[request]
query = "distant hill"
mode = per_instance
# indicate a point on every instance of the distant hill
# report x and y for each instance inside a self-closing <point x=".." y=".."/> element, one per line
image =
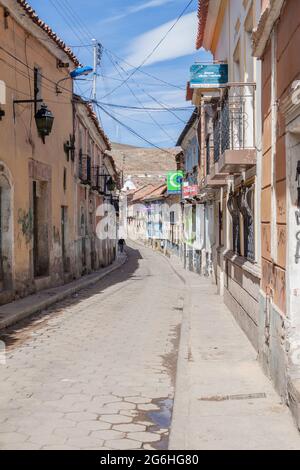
<point x="144" y="165"/>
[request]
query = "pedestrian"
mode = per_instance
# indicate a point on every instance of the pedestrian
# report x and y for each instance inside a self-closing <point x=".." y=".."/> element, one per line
<point x="121" y="244"/>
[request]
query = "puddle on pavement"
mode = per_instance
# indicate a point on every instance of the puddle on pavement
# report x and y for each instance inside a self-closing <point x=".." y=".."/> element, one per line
<point x="162" y="417"/>
<point x="160" y="420"/>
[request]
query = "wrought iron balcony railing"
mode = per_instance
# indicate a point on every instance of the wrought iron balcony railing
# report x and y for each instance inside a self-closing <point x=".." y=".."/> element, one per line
<point x="84" y="168"/>
<point x="234" y="122"/>
<point x="96" y="185"/>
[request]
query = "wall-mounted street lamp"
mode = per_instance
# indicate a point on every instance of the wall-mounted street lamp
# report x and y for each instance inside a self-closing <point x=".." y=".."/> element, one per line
<point x="43" y="117"/>
<point x="109" y="184"/>
<point x="44" y="121"/>
<point x="78" y="72"/>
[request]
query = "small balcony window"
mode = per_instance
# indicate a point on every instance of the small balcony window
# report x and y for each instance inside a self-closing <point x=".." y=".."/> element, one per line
<point x="234" y="129"/>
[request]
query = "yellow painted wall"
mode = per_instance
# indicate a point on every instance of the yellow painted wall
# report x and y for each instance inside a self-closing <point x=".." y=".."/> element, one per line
<point x="20" y="52"/>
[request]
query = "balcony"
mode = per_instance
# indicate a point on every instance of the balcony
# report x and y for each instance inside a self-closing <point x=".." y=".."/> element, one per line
<point x="213" y="179"/>
<point x="84" y="168"/>
<point x="234" y="131"/>
<point x="96" y="179"/>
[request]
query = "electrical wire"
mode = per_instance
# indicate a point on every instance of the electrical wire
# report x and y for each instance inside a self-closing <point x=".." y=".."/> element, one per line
<point x="148" y="112"/>
<point x="71" y="12"/>
<point x="84" y="97"/>
<point x="152" y="52"/>
<point x="98" y="104"/>
<point x="164" y="82"/>
<point x="148" y="94"/>
<point x="136" y="108"/>
<point x="99" y="107"/>
<point x="66" y="19"/>
<point x="134" y="132"/>
<point x="144" y="122"/>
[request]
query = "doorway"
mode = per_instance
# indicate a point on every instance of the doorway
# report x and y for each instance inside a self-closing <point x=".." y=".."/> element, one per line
<point x="64" y="238"/>
<point x="6" y="234"/>
<point x="40" y="229"/>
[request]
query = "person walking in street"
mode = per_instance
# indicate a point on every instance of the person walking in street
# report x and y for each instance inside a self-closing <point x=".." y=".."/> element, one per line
<point x="121" y="244"/>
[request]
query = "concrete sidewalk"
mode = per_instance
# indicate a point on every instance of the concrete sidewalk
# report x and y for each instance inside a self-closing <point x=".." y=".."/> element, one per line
<point x="223" y="400"/>
<point x="18" y="310"/>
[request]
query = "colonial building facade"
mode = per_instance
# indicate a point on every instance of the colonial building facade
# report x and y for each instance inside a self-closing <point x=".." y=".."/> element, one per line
<point x="276" y="43"/>
<point x="41" y="194"/>
<point x="229" y="176"/>
<point x="94" y="188"/>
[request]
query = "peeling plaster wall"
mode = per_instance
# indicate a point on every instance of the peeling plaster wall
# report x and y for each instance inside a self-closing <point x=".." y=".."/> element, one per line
<point x="279" y="315"/>
<point x="26" y="157"/>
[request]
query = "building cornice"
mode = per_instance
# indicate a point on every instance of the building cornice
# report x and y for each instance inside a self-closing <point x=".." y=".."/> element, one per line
<point x="290" y="107"/>
<point x="208" y="12"/>
<point x="77" y="100"/>
<point x="265" y="26"/>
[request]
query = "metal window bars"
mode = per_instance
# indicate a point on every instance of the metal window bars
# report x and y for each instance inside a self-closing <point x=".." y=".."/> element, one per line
<point x="234" y="212"/>
<point x="234" y="121"/>
<point x="84" y="168"/>
<point x="245" y="200"/>
<point x="242" y="203"/>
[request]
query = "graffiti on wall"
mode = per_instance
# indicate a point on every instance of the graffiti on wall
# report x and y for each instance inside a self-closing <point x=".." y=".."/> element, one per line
<point x="25" y="221"/>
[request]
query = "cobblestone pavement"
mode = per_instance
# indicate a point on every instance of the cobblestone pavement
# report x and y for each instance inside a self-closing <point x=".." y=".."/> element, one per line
<point x="96" y="371"/>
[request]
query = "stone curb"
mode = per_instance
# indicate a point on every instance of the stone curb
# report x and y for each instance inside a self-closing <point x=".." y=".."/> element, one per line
<point x="18" y="310"/>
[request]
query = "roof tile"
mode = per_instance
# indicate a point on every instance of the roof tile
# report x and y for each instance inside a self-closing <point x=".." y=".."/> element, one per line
<point x="202" y="16"/>
<point x="31" y="13"/>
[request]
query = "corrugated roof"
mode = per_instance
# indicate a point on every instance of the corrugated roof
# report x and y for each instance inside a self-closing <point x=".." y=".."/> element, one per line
<point x="31" y="13"/>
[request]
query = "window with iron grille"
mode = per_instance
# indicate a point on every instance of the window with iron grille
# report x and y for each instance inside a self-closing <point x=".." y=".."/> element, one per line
<point x="246" y="206"/>
<point x="233" y="208"/>
<point x="208" y="154"/>
<point x="217" y="131"/>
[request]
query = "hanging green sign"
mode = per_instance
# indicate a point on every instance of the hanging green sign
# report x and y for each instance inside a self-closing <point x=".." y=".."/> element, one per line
<point x="208" y="75"/>
<point x="174" y="182"/>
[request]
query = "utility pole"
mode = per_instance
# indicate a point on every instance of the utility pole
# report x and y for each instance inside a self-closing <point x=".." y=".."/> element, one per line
<point x="95" y="50"/>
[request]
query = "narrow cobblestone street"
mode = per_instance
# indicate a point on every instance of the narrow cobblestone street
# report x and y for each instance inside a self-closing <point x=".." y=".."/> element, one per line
<point x="135" y="362"/>
<point x="97" y="371"/>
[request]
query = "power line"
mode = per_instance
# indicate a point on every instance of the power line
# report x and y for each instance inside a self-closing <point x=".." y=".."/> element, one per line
<point x="77" y="18"/>
<point x="89" y="34"/>
<point x="144" y="72"/>
<point x="148" y="94"/>
<point x="102" y="103"/>
<point x="66" y="19"/>
<point x="133" y="131"/>
<point x="153" y="50"/>
<point x="141" y="103"/>
<point x="32" y="69"/>
<point x="169" y="124"/>
<point x="98" y="105"/>
<point x="136" y="108"/>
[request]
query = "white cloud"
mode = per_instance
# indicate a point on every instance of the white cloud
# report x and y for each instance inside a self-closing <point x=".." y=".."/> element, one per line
<point x="179" y="42"/>
<point x="149" y="4"/>
<point x="136" y="9"/>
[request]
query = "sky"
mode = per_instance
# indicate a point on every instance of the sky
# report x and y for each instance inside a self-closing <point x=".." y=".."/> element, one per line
<point x="128" y="31"/>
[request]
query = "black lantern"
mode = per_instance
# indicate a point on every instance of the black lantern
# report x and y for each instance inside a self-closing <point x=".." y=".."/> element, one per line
<point x="44" y="121"/>
<point x="111" y="184"/>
